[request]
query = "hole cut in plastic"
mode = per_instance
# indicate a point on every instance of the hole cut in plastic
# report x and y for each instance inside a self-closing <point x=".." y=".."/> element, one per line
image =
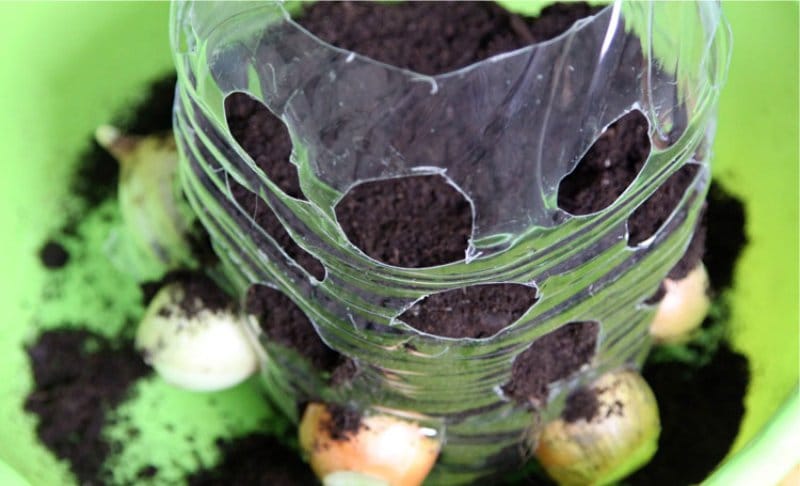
<point x="411" y="222"/>
<point x="266" y="140"/>
<point x="608" y="167"/>
<point x="285" y="323"/>
<point x="476" y="312"/>
<point x="651" y="215"/>
<point x="550" y="358"/>
<point x="266" y="219"/>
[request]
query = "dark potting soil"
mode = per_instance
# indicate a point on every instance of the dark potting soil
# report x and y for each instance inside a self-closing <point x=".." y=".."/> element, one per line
<point x="473" y="312"/>
<point x="258" y="460"/>
<point x="200" y="293"/>
<point x="725" y="221"/>
<point x="582" y="404"/>
<point x="251" y="125"/>
<point x="285" y="323"/>
<point x="344" y="421"/>
<point x="382" y="219"/>
<point x="701" y="408"/>
<point x="53" y="255"/>
<point x="95" y="179"/>
<point x="608" y="167"/>
<point x="78" y="377"/>
<point x="435" y="37"/>
<point x="554" y="356"/>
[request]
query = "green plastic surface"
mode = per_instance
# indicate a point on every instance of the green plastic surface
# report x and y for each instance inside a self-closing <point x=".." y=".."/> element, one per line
<point x="68" y="67"/>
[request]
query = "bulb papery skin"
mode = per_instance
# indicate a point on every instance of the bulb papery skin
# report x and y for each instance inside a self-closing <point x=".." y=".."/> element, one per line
<point x="157" y="221"/>
<point x="621" y="436"/>
<point x="683" y="307"/>
<point x="384" y="449"/>
<point x="202" y="351"/>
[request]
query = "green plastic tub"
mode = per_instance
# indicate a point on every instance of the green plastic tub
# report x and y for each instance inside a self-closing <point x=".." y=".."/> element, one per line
<point x="68" y="67"/>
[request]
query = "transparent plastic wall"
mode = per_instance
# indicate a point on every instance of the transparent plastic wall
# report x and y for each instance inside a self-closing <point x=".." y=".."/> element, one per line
<point x="342" y="110"/>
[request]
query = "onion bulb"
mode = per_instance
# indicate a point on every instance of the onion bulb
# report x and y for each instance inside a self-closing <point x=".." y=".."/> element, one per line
<point x="683" y="307"/>
<point x="157" y="221"/>
<point x="383" y="449"/>
<point x="202" y="350"/>
<point x="619" y="437"/>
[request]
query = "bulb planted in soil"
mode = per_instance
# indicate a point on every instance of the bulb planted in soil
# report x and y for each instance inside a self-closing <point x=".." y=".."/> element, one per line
<point x="193" y="346"/>
<point x="605" y="433"/>
<point x="157" y="220"/>
<point x="683" y="307"/>
<point x="378" y="449"/>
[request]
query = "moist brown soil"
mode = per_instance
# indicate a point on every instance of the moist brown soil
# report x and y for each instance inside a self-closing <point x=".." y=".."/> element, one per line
<point x="479" y="311"/>
<point x="251" y="125"/>
<point x="725" y="222"/>
<point x="256" y="459"/>
<point x="390" y="227"/>
<point x="582" y="404"/>
<point x="285" y="323"/>
<point x="435" y="37"/>
<point x="553" y="356"/>
<point x="344" y="421"/>
<point x="199" y="293"/>
<point x="78" y="377"/>
<point x="608" y="167"/>
<point x="701" y="408"/>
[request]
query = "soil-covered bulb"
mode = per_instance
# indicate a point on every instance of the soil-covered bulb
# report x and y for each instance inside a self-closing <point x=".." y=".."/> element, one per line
<point x="197" y="348"/>
<point x="613" y="432"/>
<point x="377" y="450"/>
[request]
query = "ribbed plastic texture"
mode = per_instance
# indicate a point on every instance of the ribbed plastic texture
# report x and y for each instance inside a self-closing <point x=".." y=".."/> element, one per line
<point x="667" y="59"/>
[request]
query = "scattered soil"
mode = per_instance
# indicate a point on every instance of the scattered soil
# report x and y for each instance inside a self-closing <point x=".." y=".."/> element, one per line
<point x="552" y="357"/>
<point x="53" y="255"/>
<point x="725" y="218"/>
<point x="256" y="459"/>
<point x="200" y="293"/>
<point x="95" y="179"/>
<point x="479" y="311"/>
<point x="147" y="472"/>
<point x="701" y="408"/>
<point x="78" y="377"/>
<point x="582" y="404"/>
<point x="344" y="421"/>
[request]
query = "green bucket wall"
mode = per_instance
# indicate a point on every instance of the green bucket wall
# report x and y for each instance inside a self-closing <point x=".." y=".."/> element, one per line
<point x="68" y="67"/>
